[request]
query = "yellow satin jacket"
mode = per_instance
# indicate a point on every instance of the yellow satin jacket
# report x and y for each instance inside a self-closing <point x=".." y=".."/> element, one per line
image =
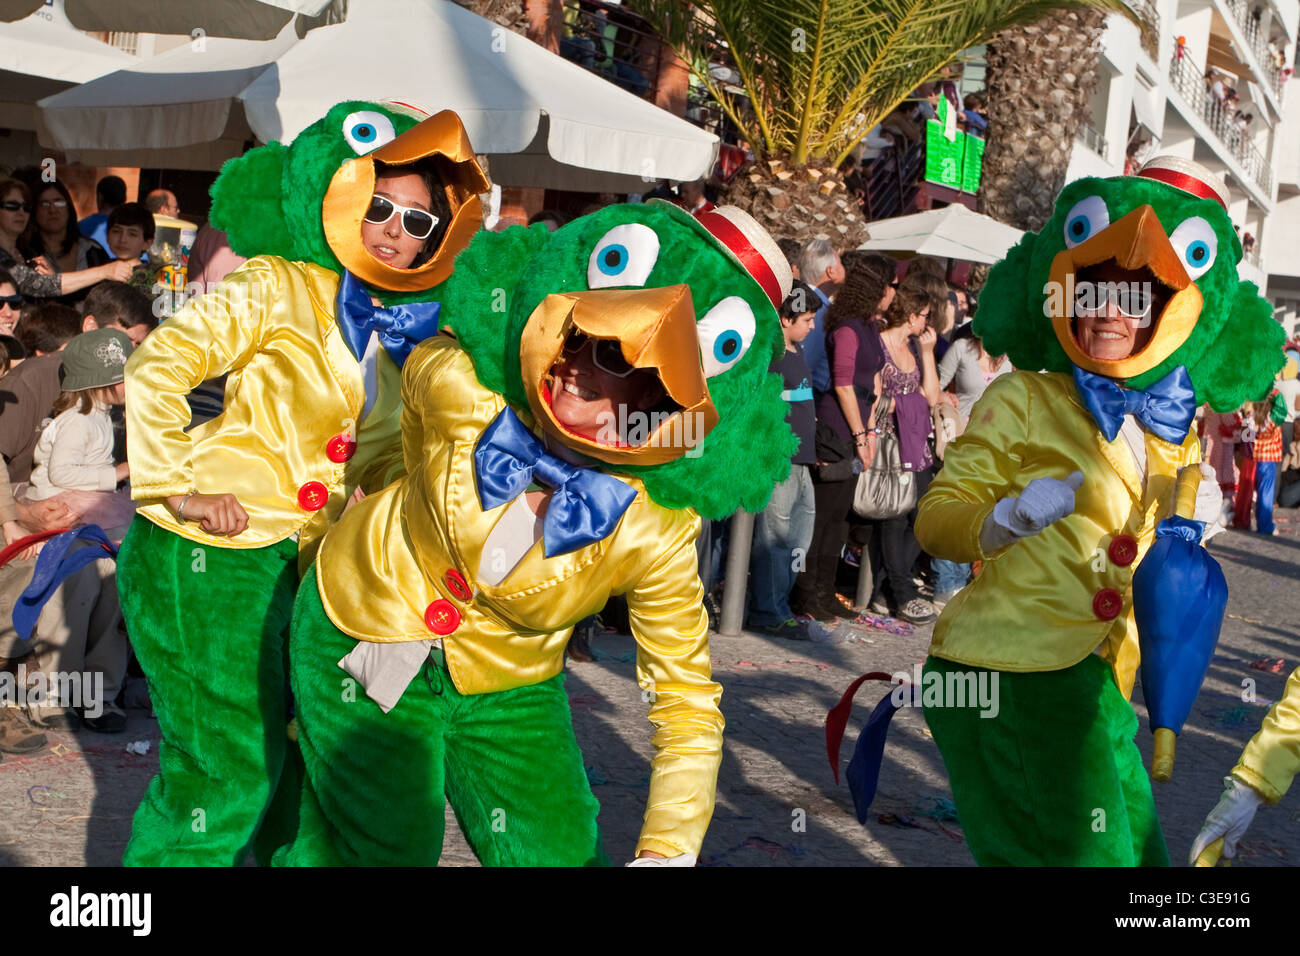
<point x="289" y="444"/>
<point x="1047" y="601"/>
<point x="1272" y="758"/>
<point x="403" y="566"/>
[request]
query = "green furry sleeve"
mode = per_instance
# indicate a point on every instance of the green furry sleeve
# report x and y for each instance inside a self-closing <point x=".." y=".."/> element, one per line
<point x="1006" y="301"/>
<point x="1243" y="362"/>
<point x="478" y="309"/>
<point x="247" y="203"/>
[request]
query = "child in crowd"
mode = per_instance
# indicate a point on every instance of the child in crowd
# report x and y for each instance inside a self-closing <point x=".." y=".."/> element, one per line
<point x="130" y="231"/>
<point x="783" y="530"/>
<point x="74" y="455"/>
<point x="1267" y="452"/>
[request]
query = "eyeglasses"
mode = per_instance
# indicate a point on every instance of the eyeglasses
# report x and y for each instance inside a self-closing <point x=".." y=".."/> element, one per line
<point x="53" y="204"/>
<point x="11" y="301"/>
<point x="416" y="223"/>
<point x="607" y="354"/>
<point x="13" y="205"/>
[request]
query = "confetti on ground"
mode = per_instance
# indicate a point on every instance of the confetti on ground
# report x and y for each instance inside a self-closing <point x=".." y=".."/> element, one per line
<point x="140" y="747"/>
<point x="1271" y="665"/>
<point x="888" y="625"/>
<point x="39" y="786"/>
<point x="1248" y="620"/>
<point x="1233" y="717"/>
<point x="938" y="808"/>
<point x="899" y="820"/>
<point x="595" y="777"/>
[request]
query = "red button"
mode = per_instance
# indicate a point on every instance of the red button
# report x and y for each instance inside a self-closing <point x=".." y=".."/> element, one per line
<point x="1107" y="603"/>
<point x="1123" y="549"/>
<point x="312" y="496"/>
<point x="340" y="448"/>
<point x="457" y="585"/>
<point x="442" y="617"/>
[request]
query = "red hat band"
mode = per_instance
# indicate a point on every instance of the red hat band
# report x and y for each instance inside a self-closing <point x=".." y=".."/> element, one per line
<point x="727" y="233"/>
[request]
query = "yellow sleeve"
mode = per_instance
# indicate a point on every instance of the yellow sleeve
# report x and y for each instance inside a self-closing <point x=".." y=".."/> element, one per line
<point x="979" y="469"/>
<point x="666" y="609"/>
<point x="210" y="336"/>
<point x="1272" y="758"/>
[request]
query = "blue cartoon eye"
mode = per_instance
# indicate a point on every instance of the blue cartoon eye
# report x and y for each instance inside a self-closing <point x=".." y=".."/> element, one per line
<point x="1196" y="244"/>
<point x="367" y="130"/>
<point x="624" y="256"/>
<point x="1085" y="219"/>
<point x="725" y="333"/>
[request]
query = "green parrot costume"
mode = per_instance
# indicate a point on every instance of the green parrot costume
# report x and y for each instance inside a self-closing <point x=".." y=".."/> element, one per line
<point x="1053" y="775"/>
<point x="428" y="641"/>
<point x="312" y="412"/>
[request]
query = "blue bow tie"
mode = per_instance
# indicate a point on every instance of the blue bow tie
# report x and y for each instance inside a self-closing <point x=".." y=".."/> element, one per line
<point x="400" y="327"/>
<point x="1165" y="409"/>
<point x="586" y="506"/>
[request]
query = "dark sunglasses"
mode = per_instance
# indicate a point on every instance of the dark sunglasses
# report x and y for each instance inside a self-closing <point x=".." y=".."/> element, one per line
<point x="607" y="354"/>
<point x="416" y="223"/>
<point x="12" y="301"/>
<point x="13" y="205"/>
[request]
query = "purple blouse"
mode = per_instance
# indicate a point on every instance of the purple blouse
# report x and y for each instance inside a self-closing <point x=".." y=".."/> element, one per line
<point x="856" y="355"/>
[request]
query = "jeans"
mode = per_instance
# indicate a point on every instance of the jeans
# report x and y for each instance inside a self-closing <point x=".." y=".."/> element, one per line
<point x="782" y="533"/>
<point x="1265" y="489"/>
<point x="949" y="576"/>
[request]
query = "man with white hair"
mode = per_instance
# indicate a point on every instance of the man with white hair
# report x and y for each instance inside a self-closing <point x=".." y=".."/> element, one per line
<point x="820" y="267"/>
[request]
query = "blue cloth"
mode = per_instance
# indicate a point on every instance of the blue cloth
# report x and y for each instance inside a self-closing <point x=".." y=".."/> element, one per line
<point x="53" y="567"/>
<point x="96" y="227"/>
<point x="587" y="504"/>
<point x="400" y="327"/>
<point x="814" y="347"/>
<point x="869" y="753"/>
<point x="1165" y="409"/>
<point x="1265" y="491"/>
<point x="949" y="576"/>
<point x="782" y="533"/>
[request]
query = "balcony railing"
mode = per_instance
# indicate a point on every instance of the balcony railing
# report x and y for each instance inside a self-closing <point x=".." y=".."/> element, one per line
<point x="1089" y="136"/>
<point x="1267" y="62"/>
<point x="612" y="41"/>
<point x="1189" y="80"/>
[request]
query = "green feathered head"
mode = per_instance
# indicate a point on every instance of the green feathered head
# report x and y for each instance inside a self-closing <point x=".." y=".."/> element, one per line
<point x="657" y="300"/>
<point x="1160" y="245"/>
<point x="306" y="201"/>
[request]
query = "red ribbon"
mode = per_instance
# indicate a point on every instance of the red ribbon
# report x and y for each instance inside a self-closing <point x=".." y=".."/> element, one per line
<point x="1188" y="184"/>
<point x="726" y="232"/>
<point x="837" y="718"/>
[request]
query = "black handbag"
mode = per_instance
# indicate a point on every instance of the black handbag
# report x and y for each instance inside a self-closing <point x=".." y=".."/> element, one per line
<point x="835" y="452"/>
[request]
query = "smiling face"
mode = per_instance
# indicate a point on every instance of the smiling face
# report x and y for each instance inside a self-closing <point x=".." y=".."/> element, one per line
<point x="587" y="398"/>
<point x="9" y="308"/>
<point x="389" y="241"/>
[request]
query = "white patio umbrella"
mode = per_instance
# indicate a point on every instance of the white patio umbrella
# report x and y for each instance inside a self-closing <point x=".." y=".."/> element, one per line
<point x="541" y="120"/>
<point x="243" y="19"/>
<point x="44" y="54"/>
<point x="953" y="232"/>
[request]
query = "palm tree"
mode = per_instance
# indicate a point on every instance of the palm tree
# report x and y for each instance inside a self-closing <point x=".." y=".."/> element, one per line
<point x="816" y="76"/>
<point x="1041" y="78"/>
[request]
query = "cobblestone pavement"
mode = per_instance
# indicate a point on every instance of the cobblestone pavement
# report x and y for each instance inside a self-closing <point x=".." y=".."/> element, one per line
<point x="777" y="803"/>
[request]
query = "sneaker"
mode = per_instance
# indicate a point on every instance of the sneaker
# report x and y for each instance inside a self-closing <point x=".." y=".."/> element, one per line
<point x="940" y="601"/>
<point x="821" y="634"/>
<point x="53" y="717"/>
<point x="109" y="722"/>
<point x="17" y="735"/>
<point x="791" y="630"/>
<point x="879" y="606"/>
<point x="917" y="611"/>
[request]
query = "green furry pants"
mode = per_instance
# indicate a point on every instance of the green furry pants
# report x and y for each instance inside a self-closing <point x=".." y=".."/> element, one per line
<point x="210" y="628"/>
<point x="1055" y="779"/>
<point x="377" y="783"/>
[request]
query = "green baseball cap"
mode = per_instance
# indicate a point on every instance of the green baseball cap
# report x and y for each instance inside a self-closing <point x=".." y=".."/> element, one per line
<point x="94" y="359"/>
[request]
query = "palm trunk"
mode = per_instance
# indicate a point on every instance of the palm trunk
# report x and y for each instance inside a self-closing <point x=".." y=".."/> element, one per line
<point x="799" y="202"/>
<point x="1041" y="80"/>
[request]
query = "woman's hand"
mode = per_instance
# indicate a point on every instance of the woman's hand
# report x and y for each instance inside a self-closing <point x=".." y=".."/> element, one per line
<point x="42" y="266"/>
<point x="927" y="339"/>
<point x="216" y="514"/>
<point x="867" y="451"/>
<point x="120" y="269"/>
<point x="122" y="472"/>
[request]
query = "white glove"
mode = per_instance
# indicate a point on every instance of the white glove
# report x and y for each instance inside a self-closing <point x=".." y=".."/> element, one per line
<point x="686" y="859"/>
<point x="1043" y="501"/>
<point x="1209" y="502"/>
<point x="1229" y="819"/>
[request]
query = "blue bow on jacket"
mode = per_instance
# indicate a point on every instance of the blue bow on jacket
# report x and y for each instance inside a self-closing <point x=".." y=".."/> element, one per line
<point x="1166" y="409"/>
<point x="586" y="506"/>
<point x="400" y="327"/>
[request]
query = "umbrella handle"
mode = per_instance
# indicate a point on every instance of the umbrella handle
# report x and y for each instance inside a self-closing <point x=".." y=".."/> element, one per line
<point x="1211" y="854"/>
<point x="1189" y="479"/>
<point x="1162" y="758"/>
